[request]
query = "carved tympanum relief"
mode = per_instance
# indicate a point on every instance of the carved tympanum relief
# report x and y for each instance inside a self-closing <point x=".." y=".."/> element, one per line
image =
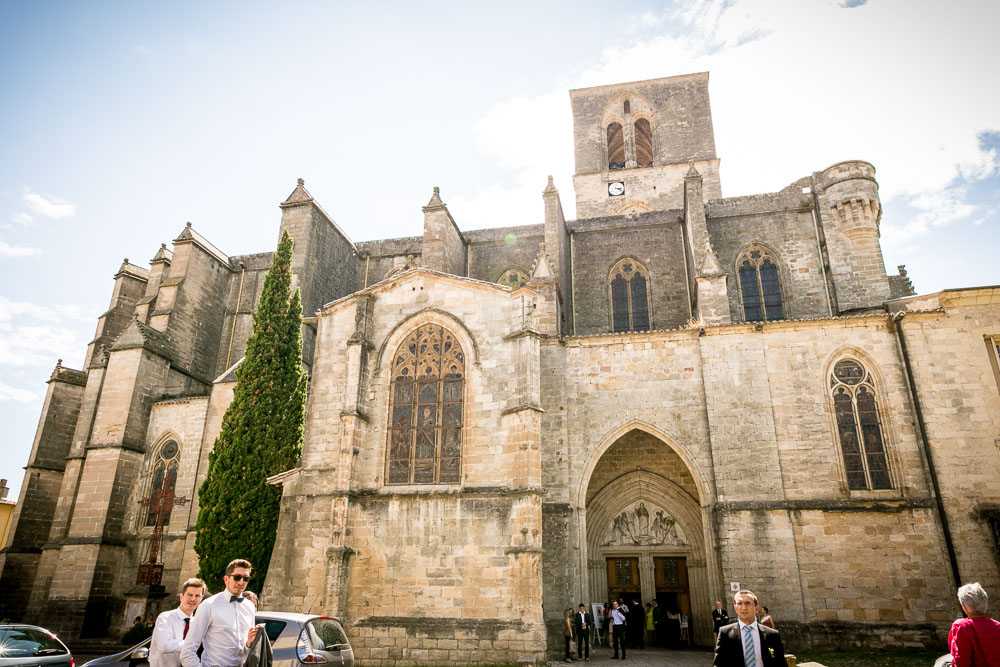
<point x="635" y="526"/>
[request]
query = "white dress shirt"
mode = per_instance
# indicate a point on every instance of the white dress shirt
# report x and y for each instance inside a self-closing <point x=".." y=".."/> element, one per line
<point x="220" y="626"/>
<point x="168" y="637"/>
<point x="754" y="634"/>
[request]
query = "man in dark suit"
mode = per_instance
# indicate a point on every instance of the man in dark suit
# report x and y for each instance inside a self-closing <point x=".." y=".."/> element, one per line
<point x="745" y="643"/>
<point x="582" y="621"/>
<point x="720" y="616"/>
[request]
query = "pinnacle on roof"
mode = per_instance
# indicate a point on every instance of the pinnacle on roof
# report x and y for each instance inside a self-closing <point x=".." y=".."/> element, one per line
<point x="551" y="187"/>
<point x="435" y="199"/>
<point x="299" y="195"/>
<point x="692" y="172"/>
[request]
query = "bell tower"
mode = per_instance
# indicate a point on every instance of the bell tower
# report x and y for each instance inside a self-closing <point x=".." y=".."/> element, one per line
<point x="634" y="142"/>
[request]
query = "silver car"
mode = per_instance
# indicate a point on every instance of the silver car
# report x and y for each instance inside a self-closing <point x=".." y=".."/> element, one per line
<point x="32" y="646"/>
<point x="296" y="639"/>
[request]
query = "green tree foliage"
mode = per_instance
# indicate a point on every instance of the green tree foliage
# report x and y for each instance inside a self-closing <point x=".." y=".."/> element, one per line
<point x="261" y="435"/>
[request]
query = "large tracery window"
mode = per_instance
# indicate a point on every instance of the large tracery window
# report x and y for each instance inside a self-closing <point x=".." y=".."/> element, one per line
<point x="616" y="146"/>
<point x="858" y="427"/>
<point x="629" y="296"/>
<point x="643" y="143"/>
<point x="760" y="288"/>
<point x="425" y="412"/>
<point x="163" y="479"/>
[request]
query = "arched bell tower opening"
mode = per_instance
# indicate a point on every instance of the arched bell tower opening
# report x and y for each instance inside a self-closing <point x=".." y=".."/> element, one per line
<point x="644" y="530"/>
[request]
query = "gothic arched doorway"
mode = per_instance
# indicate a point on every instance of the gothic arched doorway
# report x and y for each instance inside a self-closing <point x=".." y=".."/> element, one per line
<point x="644" y="527"/>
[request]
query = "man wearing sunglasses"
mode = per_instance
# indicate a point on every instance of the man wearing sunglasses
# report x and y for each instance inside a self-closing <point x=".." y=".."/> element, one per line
<point x="224" y="625"/>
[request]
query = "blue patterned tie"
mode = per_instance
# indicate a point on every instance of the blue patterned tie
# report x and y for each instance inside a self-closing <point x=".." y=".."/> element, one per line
<point x="749" y="659"/>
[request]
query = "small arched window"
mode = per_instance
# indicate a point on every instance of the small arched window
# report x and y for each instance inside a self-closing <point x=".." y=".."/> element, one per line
<point x="629" y="283"/>
<point x="513" y="278"/>
<point x="760" y="289"/>
<point x="626" y="107"/>
<point x="643" y="143"/>
<point x="859" y="427"/>
<point x="163" y="481"/>
<point x="425" y="411"/>
<point x="616" y="146"/>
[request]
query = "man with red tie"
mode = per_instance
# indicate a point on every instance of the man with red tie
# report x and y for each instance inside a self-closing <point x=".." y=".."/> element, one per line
<point x="172" y="626"/>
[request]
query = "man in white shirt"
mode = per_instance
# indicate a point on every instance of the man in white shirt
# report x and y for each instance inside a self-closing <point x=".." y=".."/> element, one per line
<point x="746" y="643"/>
<point x="618" y="628"/>
<point x="224" y="625"/>
<point x="172" y="626"/>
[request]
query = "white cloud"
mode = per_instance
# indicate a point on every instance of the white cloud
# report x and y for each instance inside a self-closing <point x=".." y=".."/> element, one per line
<point x="53" y="207"/>
<point x="23" y="219"/>
<point x="32" y="335"/>
<point x="9" y="393"/>
<point x="797" y="86"/>
<point x="7" y="250"/>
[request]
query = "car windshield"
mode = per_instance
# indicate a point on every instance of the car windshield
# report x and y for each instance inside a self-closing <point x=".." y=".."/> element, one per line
<point x="29" y="643"/>
<point x="325" y="634"/>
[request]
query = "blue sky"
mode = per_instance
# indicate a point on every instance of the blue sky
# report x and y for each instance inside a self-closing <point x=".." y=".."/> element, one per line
<point x="121" y="121"/>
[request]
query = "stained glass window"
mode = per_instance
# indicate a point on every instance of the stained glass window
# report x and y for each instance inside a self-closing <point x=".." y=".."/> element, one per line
<point x="629" y="283"/>
<point x="425" y="411"/>
<point x="859" y="427"/>
<point x="616" y="146"/>
<point x="760" y="289"/>
<point x="164" y="478"/>
<point x="513" y="278"/>
<point x="643" y="143"/>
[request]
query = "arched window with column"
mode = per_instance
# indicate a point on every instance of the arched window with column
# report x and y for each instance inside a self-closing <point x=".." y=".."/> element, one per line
<point x="616" y="146"/>
<point x="162" y="478"/>
<point x="629" y="288"/>
<point x="643" y="135"/>
<point x="425" y="410"/>
<point x="759" y="284"/>
<point x="859" y="426"/>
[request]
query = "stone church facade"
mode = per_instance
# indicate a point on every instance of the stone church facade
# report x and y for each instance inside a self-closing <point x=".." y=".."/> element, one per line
<point x="674" y="392"/>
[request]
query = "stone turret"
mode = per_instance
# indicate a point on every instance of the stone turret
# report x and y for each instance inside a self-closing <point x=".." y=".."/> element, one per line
<point x="849" y="211"/>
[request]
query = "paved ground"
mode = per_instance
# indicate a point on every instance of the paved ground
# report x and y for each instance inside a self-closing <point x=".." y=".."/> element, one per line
<point x="601" y="657"/>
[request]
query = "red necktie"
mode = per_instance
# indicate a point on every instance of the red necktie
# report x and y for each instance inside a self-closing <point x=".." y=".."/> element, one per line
<point x="187" y="624"/>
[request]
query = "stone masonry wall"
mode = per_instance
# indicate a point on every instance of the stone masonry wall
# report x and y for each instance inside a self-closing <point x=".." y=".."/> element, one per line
<point x="657" y="246"/>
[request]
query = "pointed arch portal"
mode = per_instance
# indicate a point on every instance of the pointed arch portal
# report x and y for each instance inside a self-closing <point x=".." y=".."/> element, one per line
<point x="643" y="529"/>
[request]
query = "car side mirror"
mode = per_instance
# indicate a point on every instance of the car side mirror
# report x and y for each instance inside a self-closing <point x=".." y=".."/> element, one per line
<point x="141" y="653"/>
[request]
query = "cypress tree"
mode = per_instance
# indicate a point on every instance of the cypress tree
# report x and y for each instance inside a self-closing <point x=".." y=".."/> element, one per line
<point x="261" y="435"/>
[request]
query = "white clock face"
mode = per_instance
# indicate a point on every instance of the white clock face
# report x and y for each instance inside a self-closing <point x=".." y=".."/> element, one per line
<point x="616" y="189"/>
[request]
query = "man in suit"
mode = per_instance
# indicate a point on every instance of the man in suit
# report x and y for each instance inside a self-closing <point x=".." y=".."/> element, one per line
<point x="582" y="621"/>
<point x="719" y="616"/>
<point x="746" y="643"/>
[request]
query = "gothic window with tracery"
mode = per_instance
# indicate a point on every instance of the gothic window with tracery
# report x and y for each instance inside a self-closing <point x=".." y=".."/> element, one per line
<point x="629" y="296"/>
<point x="616" y="146"/>
<point x="760" y="288"/>
<point x="425" y="411"/>
<point x="513" y="278"/>
<point x="163" y="478"/>
<point x="859" y="427"/>
<point x="643" y="143"/>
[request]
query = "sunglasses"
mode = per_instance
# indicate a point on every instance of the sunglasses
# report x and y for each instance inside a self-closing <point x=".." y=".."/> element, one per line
<point x="239" y="577"/>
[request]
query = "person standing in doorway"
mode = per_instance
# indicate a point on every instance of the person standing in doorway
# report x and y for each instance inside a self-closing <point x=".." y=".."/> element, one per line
<point x="720" y="616"/>
<point x="172" y="626"/>
<point x="618" y="629"/>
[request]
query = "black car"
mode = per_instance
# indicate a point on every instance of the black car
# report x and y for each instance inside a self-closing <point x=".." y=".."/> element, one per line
<point x="32" y="646"/>
<point x="296" y="639"/>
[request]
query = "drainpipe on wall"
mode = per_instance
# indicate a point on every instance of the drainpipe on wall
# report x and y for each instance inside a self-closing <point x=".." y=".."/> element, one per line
<point x="897" y="321"/>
